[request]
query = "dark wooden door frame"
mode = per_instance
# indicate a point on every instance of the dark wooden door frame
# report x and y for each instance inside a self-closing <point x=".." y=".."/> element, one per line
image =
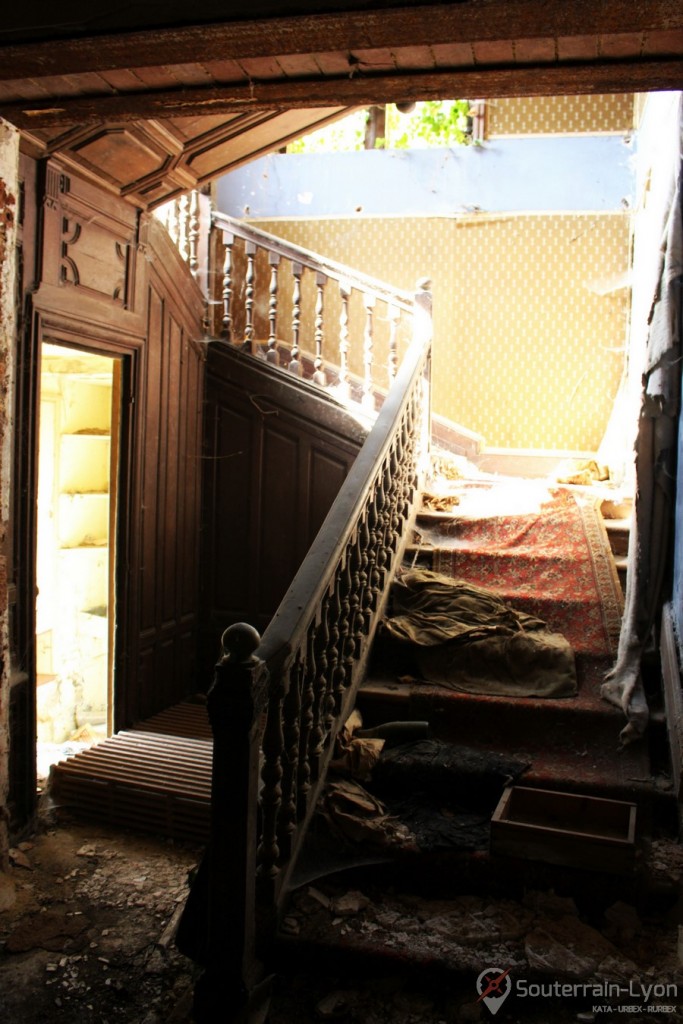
<point x="84" y="337"/>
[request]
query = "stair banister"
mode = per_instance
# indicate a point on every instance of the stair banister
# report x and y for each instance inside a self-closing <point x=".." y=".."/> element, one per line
<point x="254" y="298"/>
<point x="317" y="644"/>
<point x="313" y="261"/>
<point x="313" y="656"/>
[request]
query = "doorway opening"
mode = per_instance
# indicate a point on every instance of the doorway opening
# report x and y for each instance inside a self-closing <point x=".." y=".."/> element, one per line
<point x="78" y="460"/>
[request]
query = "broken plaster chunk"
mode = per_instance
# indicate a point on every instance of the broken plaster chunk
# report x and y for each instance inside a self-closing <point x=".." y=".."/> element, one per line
<point x="334" y="1005"/>
<point x="87" y="850"/>
<point x="566" y="947"/>
<point x="19" y="859"/>
<point x="290" y="926"/>
<point x="319" y="896"/>
<point x="349" y="904"/>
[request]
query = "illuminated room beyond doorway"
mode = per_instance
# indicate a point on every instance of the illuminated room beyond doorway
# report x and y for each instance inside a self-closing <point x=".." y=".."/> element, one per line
<point x="77" y="475"/>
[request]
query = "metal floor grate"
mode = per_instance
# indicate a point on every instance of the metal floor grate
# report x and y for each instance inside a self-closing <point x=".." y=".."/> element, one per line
<point x="155" y="777"/>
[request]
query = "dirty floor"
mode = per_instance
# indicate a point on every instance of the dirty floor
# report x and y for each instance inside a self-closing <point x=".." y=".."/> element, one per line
<point x="87" y="918"/>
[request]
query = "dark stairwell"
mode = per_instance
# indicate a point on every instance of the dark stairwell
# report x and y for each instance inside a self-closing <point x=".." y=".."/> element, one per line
<point x="324" y="654"/>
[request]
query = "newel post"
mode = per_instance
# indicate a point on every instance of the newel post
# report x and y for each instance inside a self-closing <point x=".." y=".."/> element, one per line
<point x="232" y="983"/>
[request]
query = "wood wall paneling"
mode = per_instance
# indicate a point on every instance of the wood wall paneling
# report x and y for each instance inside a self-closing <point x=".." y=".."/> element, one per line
<point x="126" y="291"/>
<point x="276" y="452"/>
<point x="280" y="526"/>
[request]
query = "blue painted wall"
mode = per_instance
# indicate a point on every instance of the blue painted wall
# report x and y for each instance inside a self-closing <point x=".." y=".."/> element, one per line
<point x="530" y="174"/>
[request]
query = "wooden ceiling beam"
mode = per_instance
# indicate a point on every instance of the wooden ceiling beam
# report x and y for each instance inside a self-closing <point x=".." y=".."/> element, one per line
<point x="404" y="27"/>
<point x="357" y="90"/>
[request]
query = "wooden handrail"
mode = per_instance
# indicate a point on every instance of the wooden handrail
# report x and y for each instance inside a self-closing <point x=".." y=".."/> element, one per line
<point x="313" y="316"/>
<point x="313" y="261"/>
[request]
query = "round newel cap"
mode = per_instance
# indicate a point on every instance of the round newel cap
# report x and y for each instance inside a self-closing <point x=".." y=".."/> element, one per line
<point x="240" y="641"/>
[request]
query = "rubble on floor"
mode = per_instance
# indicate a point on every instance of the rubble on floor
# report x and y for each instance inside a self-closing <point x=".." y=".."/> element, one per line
<point x="565" y="962"/>
<point x="87" y="922"/>
<point x="88" y="915"/>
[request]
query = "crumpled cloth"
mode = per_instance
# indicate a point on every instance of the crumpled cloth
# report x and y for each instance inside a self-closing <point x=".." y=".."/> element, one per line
<point x="467" y="638"/>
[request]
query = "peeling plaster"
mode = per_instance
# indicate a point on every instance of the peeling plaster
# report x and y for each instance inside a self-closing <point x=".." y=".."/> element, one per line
<point x="9" y="181"/>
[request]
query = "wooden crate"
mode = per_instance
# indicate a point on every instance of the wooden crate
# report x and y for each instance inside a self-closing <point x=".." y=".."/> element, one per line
<point x="568" y="829"/>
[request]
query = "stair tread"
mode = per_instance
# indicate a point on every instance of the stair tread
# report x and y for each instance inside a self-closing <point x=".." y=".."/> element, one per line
<point x="586" y="701"/>
<point x="617" y="525"/>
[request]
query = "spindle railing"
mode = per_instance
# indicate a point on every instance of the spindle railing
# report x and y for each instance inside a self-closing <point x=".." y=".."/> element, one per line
<point x="341" y="329"/>
<point x="187" y="219"/>
<point x="280" y="700"/>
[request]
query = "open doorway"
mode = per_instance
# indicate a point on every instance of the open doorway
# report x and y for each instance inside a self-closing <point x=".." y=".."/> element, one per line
<point x="78" y="460"/>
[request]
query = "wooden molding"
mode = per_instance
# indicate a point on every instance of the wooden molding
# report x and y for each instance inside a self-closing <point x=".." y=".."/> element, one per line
<point x="344" y="32"/>
<point x="361" y="90"/>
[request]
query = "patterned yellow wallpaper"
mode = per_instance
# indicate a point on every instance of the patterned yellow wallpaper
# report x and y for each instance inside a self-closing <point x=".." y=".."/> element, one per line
<point x="530" y="313"/>
<point x="560" y="115"/>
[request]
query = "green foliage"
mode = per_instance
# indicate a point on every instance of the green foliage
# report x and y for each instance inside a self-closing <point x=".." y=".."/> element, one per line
<point x="344" y="136"/>
<point x="431" y="123"/>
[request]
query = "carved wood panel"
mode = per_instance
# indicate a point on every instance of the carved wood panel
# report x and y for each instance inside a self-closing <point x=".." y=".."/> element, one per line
<point x="90" y="239"/>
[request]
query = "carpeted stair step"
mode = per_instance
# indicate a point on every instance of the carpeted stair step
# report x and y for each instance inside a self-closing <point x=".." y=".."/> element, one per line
<point x="567" y="748"/>
<point x="456" y="715"/>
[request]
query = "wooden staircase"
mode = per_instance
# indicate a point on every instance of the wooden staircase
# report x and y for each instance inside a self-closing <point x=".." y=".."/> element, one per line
<point x="568" y="743"/>
<point x="156" y="776"/>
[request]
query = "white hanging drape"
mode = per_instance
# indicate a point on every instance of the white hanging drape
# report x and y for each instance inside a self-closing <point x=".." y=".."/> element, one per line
<point x="651" y="546"/>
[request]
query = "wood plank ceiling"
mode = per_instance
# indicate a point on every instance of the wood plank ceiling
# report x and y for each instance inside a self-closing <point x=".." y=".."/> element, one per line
<point x="153" y="109"/>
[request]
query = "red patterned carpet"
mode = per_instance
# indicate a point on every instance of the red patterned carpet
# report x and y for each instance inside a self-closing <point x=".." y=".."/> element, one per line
<point x="553" y="561"/>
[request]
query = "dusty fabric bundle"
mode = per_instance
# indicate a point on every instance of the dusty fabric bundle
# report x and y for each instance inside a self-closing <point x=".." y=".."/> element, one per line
<point x="465" y="637"/>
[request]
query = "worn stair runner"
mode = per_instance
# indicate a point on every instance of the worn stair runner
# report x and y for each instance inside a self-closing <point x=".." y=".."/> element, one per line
<point x="155" y="777"/>
<point x="545" y="551"/>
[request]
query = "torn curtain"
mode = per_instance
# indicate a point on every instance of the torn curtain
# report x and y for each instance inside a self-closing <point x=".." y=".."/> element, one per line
<point x="651" y="546"/>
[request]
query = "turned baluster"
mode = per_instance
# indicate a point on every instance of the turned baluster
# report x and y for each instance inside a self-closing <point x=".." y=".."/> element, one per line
<point x="291" y="711"/>
<point x="172" y="221"/>
<point x="236" y="704"/>
<point x="306" y="716"/>
<point x="374" y="527"/>
<point x="321" y="698"/>
<point x="268" y="853"/>
<point x="383" y="530"/>
<point x="344" y="384"/>
<point x="271" y="355"/>
<point x="364" y="594"/>
<point x="394" y="315"/>
<point x="250" y="253"/>
<point x="295" y="366"/>
<point x="397" y="476"/>
<point x="334" y="679"/>
<point x="368" y="398"/>
<point x="228" y="242"/>
<point x="183" y="249"/>
<point x="349" y="611"/>
<point x="193" y="233"/>
<point x="319" y="377"/>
